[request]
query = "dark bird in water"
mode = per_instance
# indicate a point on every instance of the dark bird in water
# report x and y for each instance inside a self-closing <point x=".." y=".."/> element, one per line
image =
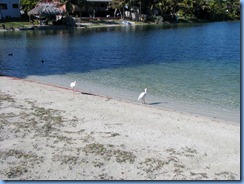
<point x="11" y="54"/>
<point x="42" y="61"/>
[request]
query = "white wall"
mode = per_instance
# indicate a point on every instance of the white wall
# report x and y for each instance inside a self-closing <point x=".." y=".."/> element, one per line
<point x="10" y="11"/>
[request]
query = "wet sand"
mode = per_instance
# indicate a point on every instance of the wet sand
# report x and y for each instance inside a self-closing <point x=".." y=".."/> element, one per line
<point x="53" y="133"/>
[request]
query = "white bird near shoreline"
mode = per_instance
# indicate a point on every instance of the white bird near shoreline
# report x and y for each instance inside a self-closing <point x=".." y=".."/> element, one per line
<point x="143" y="95"/>
<point x="72" y="85"/>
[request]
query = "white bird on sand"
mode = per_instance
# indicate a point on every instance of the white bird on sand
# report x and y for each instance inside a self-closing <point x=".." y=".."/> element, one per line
<point x="72" y="84"/>
<point x="143" y="95"/>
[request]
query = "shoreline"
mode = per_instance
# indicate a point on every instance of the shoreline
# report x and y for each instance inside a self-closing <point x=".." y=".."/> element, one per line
<point x="232" y="117"/>
<point x="119" y="23"/>
<point x="48" y="132"/>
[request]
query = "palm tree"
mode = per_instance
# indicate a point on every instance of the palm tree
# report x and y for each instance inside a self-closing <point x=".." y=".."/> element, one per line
<point x="119" y="5"/>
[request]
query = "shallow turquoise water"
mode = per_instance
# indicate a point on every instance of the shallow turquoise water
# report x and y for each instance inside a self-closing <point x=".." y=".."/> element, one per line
<point x="196" y="64"/>
<point x="185" y="85"/>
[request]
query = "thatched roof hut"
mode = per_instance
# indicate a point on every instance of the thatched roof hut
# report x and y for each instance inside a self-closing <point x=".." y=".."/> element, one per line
<point x="46" y="9"/>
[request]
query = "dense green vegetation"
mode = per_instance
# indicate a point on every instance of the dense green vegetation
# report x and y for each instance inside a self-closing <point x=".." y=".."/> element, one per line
<point x="169" y="10"/>
<point x="213" y="10"/>
<point x="27" y="5"/>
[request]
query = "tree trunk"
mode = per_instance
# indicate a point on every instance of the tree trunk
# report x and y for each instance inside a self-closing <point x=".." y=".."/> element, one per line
<point x="115" y="11"/>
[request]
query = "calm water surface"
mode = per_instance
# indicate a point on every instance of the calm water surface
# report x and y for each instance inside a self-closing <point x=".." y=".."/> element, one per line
<point x="192" y="67"/>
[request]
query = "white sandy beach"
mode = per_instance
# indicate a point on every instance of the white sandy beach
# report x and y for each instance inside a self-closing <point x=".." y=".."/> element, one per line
<point x="53" y="133"/>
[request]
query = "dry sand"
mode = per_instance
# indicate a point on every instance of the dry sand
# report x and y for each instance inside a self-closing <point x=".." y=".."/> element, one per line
<point x="52" y="133"/>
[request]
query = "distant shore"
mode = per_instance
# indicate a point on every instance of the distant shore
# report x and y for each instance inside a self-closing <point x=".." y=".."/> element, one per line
<point x="88" y="24"/>
<point x="18" y="25"/>
<point x="54" y="133"/>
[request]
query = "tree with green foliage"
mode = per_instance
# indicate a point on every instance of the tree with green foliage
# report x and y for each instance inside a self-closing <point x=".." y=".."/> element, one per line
<point x="199" y="9"/>
<point x="73" y="5"/>
<point x="27" y="5"/>
<point x="119" y="5"/>
<point x="213" y="10"/>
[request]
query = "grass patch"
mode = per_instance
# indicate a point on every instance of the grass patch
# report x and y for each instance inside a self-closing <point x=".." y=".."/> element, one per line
<point x="6" y="97"/>
<point x="47" y="115"/>
<point x="16" y="171"/>
<point x="16" y="24"/>
<point x="120" y="155"/>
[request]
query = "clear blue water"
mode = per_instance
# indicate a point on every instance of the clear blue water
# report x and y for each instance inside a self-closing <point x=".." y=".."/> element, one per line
<point x="196" y="66"/>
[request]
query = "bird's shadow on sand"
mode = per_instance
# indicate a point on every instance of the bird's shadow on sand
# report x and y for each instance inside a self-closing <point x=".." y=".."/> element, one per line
<point x="156" y="103"/>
